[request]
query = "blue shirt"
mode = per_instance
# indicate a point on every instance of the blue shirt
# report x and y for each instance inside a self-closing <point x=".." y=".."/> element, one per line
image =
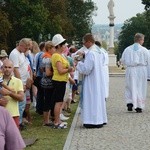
<point x="39" y="64"/>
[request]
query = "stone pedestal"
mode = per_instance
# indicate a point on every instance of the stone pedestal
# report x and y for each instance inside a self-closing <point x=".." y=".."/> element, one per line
<point x="111" y="50"/>
<point x="112" y="59"/>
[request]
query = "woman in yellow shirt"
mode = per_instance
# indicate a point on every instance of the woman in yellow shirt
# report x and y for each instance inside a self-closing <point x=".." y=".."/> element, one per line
<point x="60" y="77"/>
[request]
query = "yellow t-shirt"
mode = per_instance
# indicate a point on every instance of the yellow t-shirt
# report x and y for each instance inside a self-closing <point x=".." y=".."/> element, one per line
<point x="12" y="106"/>
<point x="59" y="58"/>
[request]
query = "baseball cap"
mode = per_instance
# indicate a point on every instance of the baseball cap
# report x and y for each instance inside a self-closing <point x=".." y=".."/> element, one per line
<point x="57" y="39"/>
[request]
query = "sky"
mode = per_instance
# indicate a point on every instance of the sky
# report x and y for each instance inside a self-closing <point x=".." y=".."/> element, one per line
<point x="123" y="10"/>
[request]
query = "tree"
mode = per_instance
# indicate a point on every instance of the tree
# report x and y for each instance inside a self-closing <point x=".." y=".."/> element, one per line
<point x="147" y="4"/>
<point x="5" y="28"/>
<point x="132" y="26"/>
<point x="43" y="17"/>
<point x="60" y="23"/>
<point x="81" y="17"/>
<point x="28" y="19"/>
<point x="147" y="9"/>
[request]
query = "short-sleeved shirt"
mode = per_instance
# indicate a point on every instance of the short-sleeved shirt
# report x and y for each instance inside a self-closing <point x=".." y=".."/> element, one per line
<point x="59" y="58"/>
<point x="38" y="63"/>
<point x="10" y="137"/>
<point x="46" y="63"/>
<point x="22" y="63"/>
<point x="12" y="106"/>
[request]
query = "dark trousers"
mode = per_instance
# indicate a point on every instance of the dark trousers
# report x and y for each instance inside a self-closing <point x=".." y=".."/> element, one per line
<point x="40" y="96"/>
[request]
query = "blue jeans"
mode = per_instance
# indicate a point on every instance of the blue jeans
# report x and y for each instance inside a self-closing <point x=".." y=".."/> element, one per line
<point x="22" y="106"/>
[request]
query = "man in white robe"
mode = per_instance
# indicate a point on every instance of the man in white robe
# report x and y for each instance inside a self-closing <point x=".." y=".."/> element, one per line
<point x="105" y="64"/>
<point x="148" y="70"/>
<point x="94" y="106"/>
<point x="106" y="69"/>
<point x="136" y="59"/>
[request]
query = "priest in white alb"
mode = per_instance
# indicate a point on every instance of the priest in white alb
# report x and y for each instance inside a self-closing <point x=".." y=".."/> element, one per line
<point x="94" y="105"/>
<point x="136" y="58"/>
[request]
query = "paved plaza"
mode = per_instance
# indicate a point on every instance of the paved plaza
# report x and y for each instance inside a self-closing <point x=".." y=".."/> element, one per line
<point x="124" y="131"/>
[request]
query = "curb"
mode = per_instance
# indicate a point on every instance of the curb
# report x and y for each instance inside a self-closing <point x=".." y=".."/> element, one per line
<point x="117" y="74"/>
<point x="71" y="131"/>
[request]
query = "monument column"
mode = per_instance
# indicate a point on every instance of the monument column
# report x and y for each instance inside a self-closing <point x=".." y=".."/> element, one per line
<point x="112" y="57"/>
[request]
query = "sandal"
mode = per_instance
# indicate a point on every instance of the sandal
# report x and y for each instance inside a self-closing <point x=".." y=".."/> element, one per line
<point x="60" y="126"/>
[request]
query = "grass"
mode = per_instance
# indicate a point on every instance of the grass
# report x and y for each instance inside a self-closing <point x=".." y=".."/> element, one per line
<point x="48" y="138"/>
<point x="52" y="139"/>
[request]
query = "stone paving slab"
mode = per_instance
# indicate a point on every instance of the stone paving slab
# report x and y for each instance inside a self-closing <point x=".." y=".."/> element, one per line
<point x="124" y="131"/>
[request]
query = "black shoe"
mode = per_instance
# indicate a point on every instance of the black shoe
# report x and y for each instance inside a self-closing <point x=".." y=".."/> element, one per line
<point x="138" y="110"/>
<point x="89" y="126"/>
<point x="129" y="105"/>
<point x="104" y="123"/>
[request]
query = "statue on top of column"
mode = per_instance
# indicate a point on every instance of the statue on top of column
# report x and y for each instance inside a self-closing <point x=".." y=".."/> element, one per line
<point x="110" y="7"/>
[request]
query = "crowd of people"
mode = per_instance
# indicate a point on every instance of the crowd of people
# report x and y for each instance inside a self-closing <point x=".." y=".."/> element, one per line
<point x="47" y="76"/>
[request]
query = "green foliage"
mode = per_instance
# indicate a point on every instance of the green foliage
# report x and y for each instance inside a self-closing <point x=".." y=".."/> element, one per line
<point x="141" y="24"/>
<point x="147" y="4"/>
<point x="81" y="17"/>
<point x="5" y="28"/>
<point x="60" y="23"/>
<point x="32" y="18"/>
<point x="135" y="24"/>
<point x="36" y="22"/>
<point x="28" y="19"/>
<point x="48" y="138"/>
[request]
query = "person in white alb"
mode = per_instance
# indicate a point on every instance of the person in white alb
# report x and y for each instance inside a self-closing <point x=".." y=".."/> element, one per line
<point x="148" y="70"/>
<point x="136" y="58"/>
<point x="105" y="64"/>
<point x="94" y="105"/>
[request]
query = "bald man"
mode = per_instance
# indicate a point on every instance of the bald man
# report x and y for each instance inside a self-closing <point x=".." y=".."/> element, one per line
<point x="15" y="95"/>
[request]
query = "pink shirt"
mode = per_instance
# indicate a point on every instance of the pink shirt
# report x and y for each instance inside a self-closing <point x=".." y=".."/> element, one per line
<point x="10" y="137"/>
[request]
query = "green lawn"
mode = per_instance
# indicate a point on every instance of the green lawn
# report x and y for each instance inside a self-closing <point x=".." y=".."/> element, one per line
<point x="48" y="139"/>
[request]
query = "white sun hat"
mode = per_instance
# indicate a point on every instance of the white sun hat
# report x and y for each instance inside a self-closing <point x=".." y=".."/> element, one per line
<point x="57" y="39"/>
<point x="3" y="53"/>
